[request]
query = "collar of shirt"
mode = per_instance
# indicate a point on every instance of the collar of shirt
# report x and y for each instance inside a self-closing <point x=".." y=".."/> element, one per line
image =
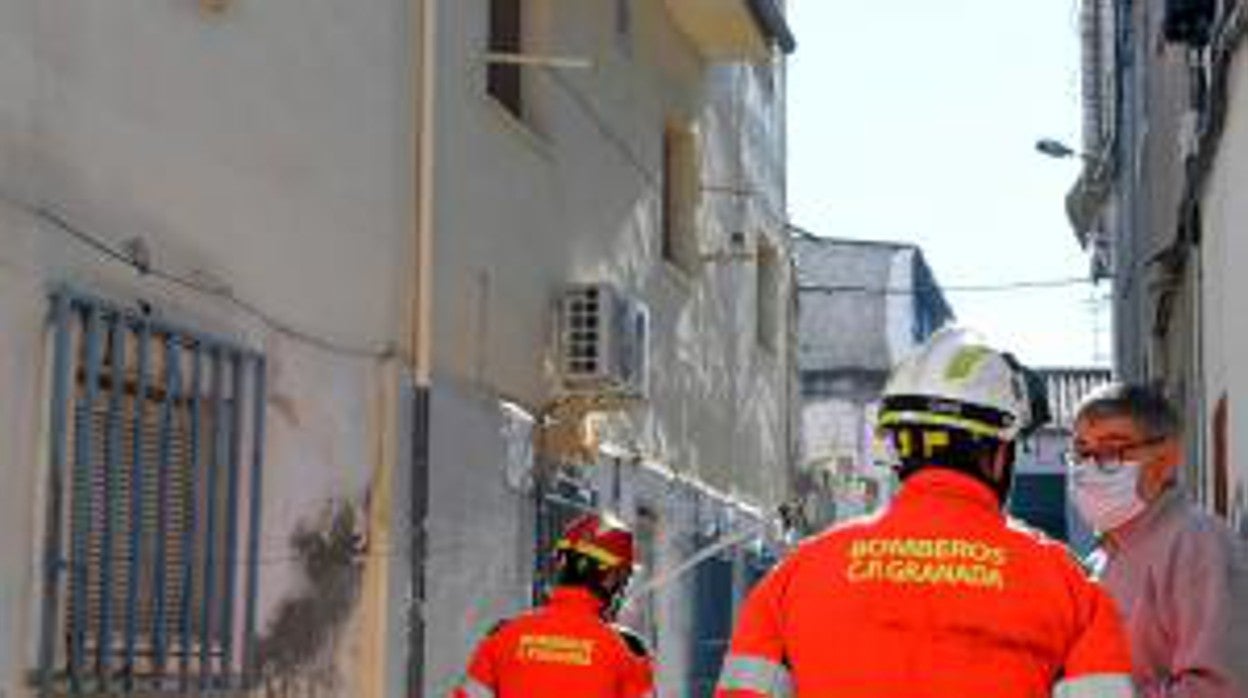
<point x="1153" y="515"/>
<point x="947" y="484"/>
<point x="575" y="599"/>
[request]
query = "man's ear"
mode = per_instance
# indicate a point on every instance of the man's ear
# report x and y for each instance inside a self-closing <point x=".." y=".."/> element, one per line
<point x="1171" y="454"/>
<point x="1161" y="469"/>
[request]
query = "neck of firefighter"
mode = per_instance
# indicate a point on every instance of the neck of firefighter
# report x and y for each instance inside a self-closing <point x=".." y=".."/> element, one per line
<point x="608" y="593"/>
<point x="613" y="594"/>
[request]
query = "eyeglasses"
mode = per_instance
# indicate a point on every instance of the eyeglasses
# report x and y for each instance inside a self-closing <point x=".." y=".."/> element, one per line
<point x="1109" y="459"/>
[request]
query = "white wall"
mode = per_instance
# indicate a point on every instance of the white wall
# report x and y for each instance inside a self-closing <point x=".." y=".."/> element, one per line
<point x="571" y="194"/>
<point x="265" y="150"/>
<point x="574" y="193"/>
<point x="479" y="565"/>
<point x="1223" y="250"/>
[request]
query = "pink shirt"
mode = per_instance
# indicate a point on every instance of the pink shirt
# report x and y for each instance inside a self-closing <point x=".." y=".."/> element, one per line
<point x="1172" y="571"/>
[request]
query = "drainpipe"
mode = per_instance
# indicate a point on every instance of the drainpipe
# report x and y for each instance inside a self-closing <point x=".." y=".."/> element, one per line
<point x="423" y="40"/>
<point x="792" y="392"/>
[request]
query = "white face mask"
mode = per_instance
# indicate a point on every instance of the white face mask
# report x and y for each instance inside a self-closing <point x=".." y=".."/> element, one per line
<point x="1106" y="495"/>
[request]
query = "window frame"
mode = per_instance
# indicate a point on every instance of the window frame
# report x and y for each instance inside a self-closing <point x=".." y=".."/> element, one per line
<point x="504" y="82"/>
<point x="623" y="22"/>
<point x="768" y="286"/>
<point x="680" y="198"/>
<point x="111" y="366"/>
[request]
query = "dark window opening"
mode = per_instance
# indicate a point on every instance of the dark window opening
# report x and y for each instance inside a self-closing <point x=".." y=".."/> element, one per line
<point x="503" y="80"/>
<point x="767" y="327"/>
<point x="153" y="514"/>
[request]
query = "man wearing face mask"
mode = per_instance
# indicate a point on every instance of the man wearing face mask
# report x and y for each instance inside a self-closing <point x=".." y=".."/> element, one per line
<point x="1170" y="566"/>
<point x="940" y="595"/>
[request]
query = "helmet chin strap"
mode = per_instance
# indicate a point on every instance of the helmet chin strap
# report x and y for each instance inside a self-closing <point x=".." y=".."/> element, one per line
<point x="1003" y="467"/>
<point x="612" y="599"/>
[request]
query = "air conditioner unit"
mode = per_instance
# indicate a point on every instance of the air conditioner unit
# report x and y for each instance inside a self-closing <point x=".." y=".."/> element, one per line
<point x="604" y="340"/>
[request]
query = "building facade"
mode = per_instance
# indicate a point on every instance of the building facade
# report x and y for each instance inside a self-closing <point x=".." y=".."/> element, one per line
<point x="291" y="402"/>
<point x="648" y="165"/>
<point x="862" y="306"/>
<point x="1154" y="206"/>
<point x="207" y="261"/>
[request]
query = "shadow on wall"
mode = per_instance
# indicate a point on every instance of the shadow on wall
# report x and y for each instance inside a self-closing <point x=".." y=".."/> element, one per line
<point x="298" y="649"/>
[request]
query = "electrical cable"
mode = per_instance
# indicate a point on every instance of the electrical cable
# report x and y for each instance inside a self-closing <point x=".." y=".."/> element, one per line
<point x="603" y="127"/>
<point x="621" y="145"/>
<point x="379" y="351"/>
<point x="1020" y="285"/>
<point x="973" y="288"/>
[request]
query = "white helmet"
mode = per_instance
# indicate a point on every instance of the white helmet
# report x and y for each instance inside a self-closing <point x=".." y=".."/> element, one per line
<point x="956" y="382"/>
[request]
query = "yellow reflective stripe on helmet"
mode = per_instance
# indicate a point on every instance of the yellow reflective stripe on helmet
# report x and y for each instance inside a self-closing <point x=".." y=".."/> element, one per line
<point x="1095" y="686"/>
<point x="941" y="420"/>
<point x="933" y="440"/>
<point x="754" y="674"/>
<point x="601" y="555"/>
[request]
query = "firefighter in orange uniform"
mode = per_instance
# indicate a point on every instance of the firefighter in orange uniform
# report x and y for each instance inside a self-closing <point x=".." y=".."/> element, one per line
<point x="940" y="594"/>
<point x="568" y="647"/>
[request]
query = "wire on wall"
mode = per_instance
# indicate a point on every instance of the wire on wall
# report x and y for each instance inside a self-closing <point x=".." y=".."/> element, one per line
<point x="1003" y="287"/>
<point x="143" y="267"/>
<point x="617" y="141"/>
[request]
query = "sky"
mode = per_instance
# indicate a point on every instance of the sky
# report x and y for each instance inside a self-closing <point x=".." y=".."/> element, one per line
<point x="915" y="121"/>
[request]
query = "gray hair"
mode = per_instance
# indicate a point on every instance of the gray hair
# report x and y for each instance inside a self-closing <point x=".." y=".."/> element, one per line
<point x="1145" y="405"/>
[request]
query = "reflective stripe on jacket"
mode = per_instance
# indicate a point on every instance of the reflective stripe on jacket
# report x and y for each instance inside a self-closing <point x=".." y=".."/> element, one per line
<point x="561" y="649"/>
<point x="939" y="596"/>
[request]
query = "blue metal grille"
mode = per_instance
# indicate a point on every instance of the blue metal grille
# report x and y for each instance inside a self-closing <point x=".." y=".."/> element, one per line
<point x="148" y="480"/>
<point x="712" y="622"/>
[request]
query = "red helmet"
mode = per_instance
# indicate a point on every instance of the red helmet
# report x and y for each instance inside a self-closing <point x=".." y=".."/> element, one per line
<point x="602" y="538"/>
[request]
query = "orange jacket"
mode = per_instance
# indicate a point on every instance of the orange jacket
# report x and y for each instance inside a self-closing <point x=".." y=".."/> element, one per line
<point x="940" y="595"/>
<point x="561" y="649"/>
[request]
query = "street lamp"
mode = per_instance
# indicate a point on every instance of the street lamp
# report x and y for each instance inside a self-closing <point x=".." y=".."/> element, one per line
<point x="1095" y="165"/>
<point x="1092" y="189"/>
<point x="1057" y="149"/>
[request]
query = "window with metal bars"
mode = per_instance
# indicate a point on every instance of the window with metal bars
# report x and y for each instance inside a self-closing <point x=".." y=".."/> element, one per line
<point x="156" y="434"/>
